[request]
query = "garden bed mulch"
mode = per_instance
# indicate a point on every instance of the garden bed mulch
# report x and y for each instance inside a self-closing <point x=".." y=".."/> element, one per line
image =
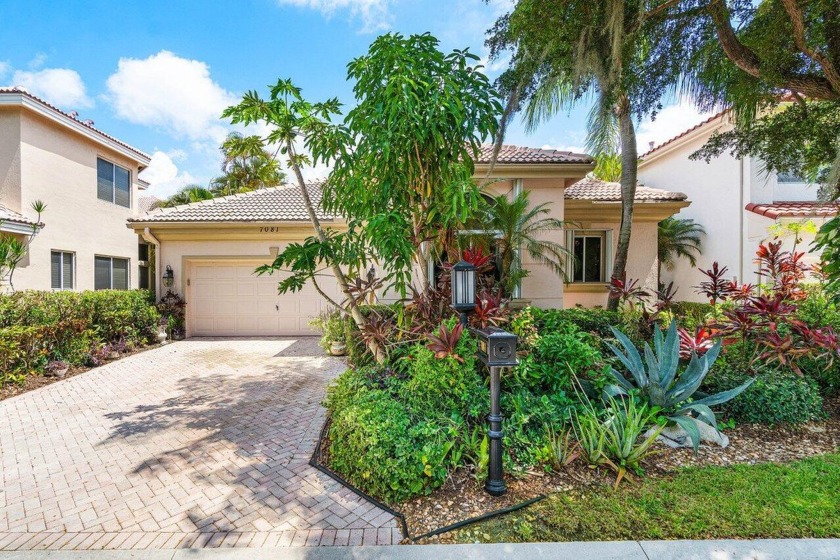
<point x="38" y="380"/>
<point x="462" y="497"/>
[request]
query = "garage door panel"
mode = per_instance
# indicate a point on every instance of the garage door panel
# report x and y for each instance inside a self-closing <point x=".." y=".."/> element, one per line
<point x="228" y="299"/>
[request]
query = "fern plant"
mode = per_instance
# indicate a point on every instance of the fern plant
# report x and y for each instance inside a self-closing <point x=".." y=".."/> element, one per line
<point x="658" y="380"/>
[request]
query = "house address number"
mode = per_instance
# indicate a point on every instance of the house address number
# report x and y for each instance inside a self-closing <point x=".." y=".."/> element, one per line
<point x="269" y="229"/>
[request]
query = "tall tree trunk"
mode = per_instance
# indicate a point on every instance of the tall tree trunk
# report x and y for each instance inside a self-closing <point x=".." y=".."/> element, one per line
<point x="629" y="172"/>
<point x="354" y="311"/>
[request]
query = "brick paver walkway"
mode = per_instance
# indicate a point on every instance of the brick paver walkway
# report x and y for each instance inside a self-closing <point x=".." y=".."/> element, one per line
<point x="201" y="443"/>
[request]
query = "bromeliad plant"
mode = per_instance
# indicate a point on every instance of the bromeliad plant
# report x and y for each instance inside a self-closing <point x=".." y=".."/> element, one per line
<point x="658" y="380"/>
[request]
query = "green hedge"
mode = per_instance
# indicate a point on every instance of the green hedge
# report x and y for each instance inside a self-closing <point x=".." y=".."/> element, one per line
<point x="595" y="321"/>
<point x="775" y="397"/>
<point x="38" y="327"/>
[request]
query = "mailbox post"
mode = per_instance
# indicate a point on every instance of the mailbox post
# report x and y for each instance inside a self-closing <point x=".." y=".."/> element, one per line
<point x="496" y="349"/>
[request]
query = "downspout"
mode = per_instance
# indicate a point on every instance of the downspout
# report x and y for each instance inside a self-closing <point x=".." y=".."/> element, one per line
<point x="147" y="235"/>
<point x="741" y="223"/>
<point x="517" y="290"/>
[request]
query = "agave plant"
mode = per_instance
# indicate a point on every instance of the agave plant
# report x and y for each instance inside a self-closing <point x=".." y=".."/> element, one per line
<point x="657" y="379"/>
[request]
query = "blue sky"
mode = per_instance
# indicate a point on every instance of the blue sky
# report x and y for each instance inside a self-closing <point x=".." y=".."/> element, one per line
<point x="157" y="74"/>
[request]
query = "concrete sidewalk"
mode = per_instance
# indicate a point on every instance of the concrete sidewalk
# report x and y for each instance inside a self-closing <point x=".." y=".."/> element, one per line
<point x="790" y="549"/>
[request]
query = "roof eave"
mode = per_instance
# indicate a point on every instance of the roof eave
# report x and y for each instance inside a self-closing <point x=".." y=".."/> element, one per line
<point x="675" y="143"/>
<point x="533" y="170"/>
<point x="12" y="99"/>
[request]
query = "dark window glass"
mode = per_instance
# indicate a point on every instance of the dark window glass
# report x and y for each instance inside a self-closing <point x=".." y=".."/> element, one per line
<point x="61" y="270"/>
<point x="143" y="280"/>
<point x="102" y="273"/>
<point x="55" y="270"/>
<point x="105" y="180"/>
<point x="578" y="272"/>
<point x="119" y="274"/>
<point x="592" y="269"/>
<point x="790" y="178"/>
<point x="588" y="265"/>
<point x="143" y="252"/>
<point x="122" y="187"/>
<point x="67" y="271"/>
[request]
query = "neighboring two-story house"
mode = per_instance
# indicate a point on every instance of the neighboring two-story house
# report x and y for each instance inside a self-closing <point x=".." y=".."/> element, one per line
<point x="89" y="183"/>
<point x="738" y="202"/>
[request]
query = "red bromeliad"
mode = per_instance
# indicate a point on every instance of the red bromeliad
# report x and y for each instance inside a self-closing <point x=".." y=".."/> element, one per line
<point x="699" y="343"/>
<point x="446" y="341"/>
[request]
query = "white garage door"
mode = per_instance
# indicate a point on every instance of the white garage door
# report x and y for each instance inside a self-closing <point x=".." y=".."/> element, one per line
<point x="226" y="298"/>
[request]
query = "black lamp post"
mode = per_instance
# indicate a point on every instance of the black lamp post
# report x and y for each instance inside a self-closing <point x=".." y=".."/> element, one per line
<point x="463" y="289"/>
<point x="496" y="350"/>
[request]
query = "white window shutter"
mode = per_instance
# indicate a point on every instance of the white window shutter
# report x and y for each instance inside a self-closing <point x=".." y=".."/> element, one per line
<point x="569" y="265"/>
<point x="609" y="252"/>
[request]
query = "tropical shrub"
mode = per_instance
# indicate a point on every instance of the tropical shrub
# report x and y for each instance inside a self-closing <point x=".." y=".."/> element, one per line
<point x="596" y="321"/>
<point x="557" y="358"/>
<point x="377" y="447"/>
<point x="659" y="381"/>
<point x="775" y="397"/>
<point x="39" y="327"/>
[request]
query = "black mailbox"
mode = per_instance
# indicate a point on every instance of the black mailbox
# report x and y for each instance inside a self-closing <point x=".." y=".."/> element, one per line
<point x="496" y="347"/>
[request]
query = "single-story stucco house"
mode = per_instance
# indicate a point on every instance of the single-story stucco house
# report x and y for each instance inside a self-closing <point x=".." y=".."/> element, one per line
<point x="213" y="246"/>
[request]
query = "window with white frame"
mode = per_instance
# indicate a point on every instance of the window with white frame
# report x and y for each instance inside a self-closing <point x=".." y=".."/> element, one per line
<point x="113" y="183"/>
<point x="62" y="270"/>
<point x="110" y="273"/>
<point x="790" y="177"/>
<point x="590" y="253"/>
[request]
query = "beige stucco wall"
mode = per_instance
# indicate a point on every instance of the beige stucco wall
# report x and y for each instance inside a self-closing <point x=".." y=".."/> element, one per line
<point x="58" y="167"/>
<point x="641" y="265"/>
<point x="10" y="159"/>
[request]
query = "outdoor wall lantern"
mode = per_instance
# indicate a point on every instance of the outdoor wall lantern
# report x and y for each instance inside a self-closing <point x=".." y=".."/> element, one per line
<point x="463" y="289"/>
<point x="168" y="277"/>
<point x="496" y="350"/>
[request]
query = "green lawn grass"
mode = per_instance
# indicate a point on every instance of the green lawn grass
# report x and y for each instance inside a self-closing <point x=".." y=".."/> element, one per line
<point x="800" y="499"/>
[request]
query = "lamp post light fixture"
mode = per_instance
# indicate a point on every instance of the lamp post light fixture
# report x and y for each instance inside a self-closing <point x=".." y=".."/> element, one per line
<point x="169" y="277"/>
<point x="463" y="289"/>
<point x="496" y="350"/>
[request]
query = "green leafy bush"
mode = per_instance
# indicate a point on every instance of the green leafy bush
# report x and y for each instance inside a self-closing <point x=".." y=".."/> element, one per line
<point x="556" y="357"/>
<point x="37" y="327"/>
<point x="690" y="314"/>
<point x="775" y="397"/>
<point x="594" y="321"/>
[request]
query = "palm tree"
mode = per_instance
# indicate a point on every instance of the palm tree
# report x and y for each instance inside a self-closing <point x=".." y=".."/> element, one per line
<point x="608" y="167"/>
<point x="188" y="194"/>
<point x="678" y="238"/>
<point x="517" y="226"/>
<point x="598" y="49"/>
<point x="246" y="166"/>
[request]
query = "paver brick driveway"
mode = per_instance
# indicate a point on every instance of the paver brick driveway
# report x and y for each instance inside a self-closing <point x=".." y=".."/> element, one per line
<point x="200" y="443"/>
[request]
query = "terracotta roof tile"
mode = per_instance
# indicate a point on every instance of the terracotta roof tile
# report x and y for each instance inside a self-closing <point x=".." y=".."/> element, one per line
<point x="520" y="154"/>
<point x="274" y="204"/>
<point x="22" y="91"/>
<point x="794" y="209"/>
<point x="7" y="215"/>
<point x="601" y="191"/>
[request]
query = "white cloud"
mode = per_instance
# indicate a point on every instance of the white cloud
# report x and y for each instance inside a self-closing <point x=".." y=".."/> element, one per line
<point x="670" y="122"/>
<point x="4" y="69"/>
<point x="61" y="86"/>
<point x="374" y="14"/>
<point x="163" y="176"/>
<point x="37" y="61"/>
<point x="173" y="93"/>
